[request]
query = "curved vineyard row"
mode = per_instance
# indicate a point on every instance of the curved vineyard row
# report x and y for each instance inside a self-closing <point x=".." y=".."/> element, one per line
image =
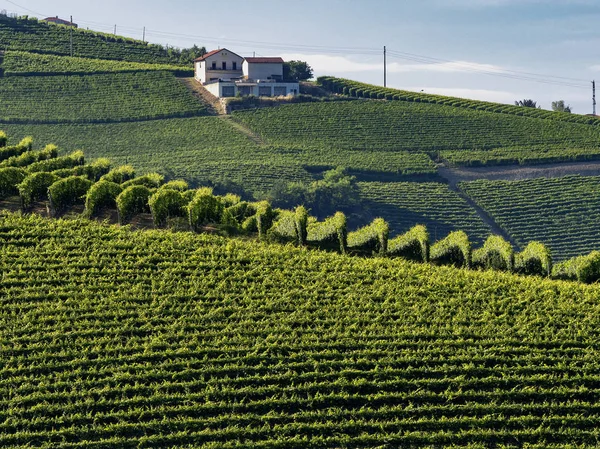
<point x="95" y="98"/>
<point x="115" y="338"/>
<point x="29" y="34"/>
<point x="20" y="63"/>
<point x="564" y="213"/>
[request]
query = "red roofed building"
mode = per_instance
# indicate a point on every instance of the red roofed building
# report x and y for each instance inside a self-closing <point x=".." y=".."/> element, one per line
<point x="60" y="21"/>
<point x="227" y="74"/>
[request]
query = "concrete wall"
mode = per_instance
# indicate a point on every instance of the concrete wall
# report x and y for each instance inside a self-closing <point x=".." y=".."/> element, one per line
<point x="260" y="71"/>
<point x="226" y="89"/>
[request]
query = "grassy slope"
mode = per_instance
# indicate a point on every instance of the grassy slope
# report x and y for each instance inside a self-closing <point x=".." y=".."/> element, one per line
<point x="174" y="340"/>
<point x="564" y="213"/>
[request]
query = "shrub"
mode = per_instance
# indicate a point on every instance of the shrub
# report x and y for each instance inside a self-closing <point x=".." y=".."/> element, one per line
<point x="371" y="239"/>
<point x="583" y="268"/>
<point x="204" y="208"/>
<point x="53" y="163"/>
<point x="3" y="139"/>
<point x="413" y="245"/>
<point x="241" y="211"/>
<point x="177" y="184"/>
<point x="455" y="249"/>
<point x="230" y="200"/>
<point x="290" y="226"/>
<point x="101" y="195"/>
<point x="165" y="204"/>
<point x="35" y="187"/>
<point x="10" y="178"/>
<point x="8" y="152"/>
<point x="151" y="180"/>
<point x="535" y="259"/>
<point x="26" y="157"/>
<point x="329" y="234"/>
<point x="119" y="175"/>
<point x="67" y="192"/>
<point x="131" y="201"/>
<point x="264" y="218"/>
<point x="496" y="254"/>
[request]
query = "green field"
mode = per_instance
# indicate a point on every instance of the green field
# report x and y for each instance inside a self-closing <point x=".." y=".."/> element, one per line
<point x="119" y="339"/>
<point x="390" y="126"/>
<point x="564" y="213"/>
<point x="29" y="34"/>
<point x="20" y="63"/>
<point x="95" y="98"/>
<point x="405" y="204"/>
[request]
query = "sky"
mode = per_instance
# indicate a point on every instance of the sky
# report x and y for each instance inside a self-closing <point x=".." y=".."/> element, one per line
<point x="495" y="50"/>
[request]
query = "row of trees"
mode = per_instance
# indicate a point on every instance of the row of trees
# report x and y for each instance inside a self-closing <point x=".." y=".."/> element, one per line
<point x="557" y="106"/>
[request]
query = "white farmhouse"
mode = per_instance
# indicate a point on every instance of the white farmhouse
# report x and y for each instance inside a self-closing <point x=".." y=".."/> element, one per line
<point x="226" y="74"/>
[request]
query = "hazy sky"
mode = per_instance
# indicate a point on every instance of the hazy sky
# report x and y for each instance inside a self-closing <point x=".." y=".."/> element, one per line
<point x="554" y="38"/>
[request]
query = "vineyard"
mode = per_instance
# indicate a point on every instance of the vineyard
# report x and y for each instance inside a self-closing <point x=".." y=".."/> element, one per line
<point x="405" y="204"/>
<point x="119" y="339"/>
<point x="564" y="213"/>
<point x="390" y="126"/>
<point x="20" y="63"/>
<point x="31" y="35"/>
<point x="95" y="98"/>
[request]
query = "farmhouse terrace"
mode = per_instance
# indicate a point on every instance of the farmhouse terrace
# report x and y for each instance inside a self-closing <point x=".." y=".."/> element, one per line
<point x="227" y="74"/>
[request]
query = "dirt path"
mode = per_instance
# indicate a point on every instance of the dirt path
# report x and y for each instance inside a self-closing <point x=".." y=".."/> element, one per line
<point x="212" y="103"/>
<point x="454" y="175"/>
<point x="243" y="129"/>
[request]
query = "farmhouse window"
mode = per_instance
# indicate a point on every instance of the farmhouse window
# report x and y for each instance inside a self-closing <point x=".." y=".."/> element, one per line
<point x="264" y="91"/>
<point x="235" y="66"/>
<point x="214" y="66"/>
<point x="224" y="66"/>
<point x="280" y="91"/>
<point x="228" y="91"/>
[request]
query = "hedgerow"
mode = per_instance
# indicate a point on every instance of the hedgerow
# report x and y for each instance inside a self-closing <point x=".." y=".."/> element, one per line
<point x="413" y="245"/>
<point x="332" y="233"/>
<point x="120" y="175"/>
<point x="35" y="187"/>
<point x="204" y="208"/>
<point x="496" y="254"/>
<point x="67" y="192"/>
<point x="371" y="239"/>
<point x="57" y="163"/>
<point x="150" y="180"/>
<point x="582" y="268"/>
<point x="535" y="259"/>
<point x="10" y="177"/>
<point x="177" y="184"/>
<point x="101" y="195"/>
<point x="455" y="250"/>
<point x="26" y="156"/>
<point x="131" y="201"/>
<point x="165" y="204"/>
<point x="3" y="141"/>
<point x="289" y="226"/>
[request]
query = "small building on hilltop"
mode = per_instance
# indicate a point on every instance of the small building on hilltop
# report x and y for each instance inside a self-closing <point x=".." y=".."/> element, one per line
<point x="226" y="74"/>
<point x="60" y="21"/>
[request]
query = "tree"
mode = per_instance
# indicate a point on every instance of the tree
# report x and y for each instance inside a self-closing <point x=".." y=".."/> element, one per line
<point x="527" y="104"/>
<point x="297" y="71"/>
<point x="559" y="106"/>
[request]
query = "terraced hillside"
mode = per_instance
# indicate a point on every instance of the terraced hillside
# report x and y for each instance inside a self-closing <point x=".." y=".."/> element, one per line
<point x="21" y="63"/>
<point x="95" y="98"/>
<point x="29" y="34"/>
<point x="563" y="212"/>
<point x="405" y="204"/>
<point x="174" y="340"/>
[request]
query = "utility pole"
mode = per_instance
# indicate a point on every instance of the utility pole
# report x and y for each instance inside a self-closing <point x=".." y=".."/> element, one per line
<point x="594" y="95"/>
<point x="144" y="36"/>
<point x="384" y="66"/>
<point x="71" y="36"/>
<point x="115" y="33"/>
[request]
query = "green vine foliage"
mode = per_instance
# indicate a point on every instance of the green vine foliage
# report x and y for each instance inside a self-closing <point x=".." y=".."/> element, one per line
<point x="150" y="180"/>
<point x="35" y="187"/>
<point x="455" y="250"/>
<point x="102" y="194"/>
<point x="413" y="245"/>
<point x="120" y="175"/>
<point x="371" y="239"/>
<point x="52" y="163"/>
<point x="535" y="259"/>
<point x="10" y="178"/>
<point x="496" y="254"/>
<point x="205" y="208"/>
<point x="131" y="201"/>
<point x="330" y="234"/>
<point x="165" y="204"/>
<point x="3" y="139"/>
<point x="67" y="192"/>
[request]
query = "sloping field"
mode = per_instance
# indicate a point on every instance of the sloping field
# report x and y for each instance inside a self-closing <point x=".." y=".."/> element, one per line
<point x="95" y="98"/>
<point x="29" y="34"/>
<point x="404" y="204"/>
<point x="564" y="213"/>
<point x="20" y="63"/>
<point x="119" y="339"/>
<point x="397" y="125"/>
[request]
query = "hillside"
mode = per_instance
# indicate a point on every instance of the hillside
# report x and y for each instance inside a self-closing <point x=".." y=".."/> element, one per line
<point x="154" y="339"/>
<point x="31" y="35"/>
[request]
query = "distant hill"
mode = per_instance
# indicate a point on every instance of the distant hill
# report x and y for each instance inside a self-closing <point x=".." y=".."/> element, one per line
<point x="32" y="35"/>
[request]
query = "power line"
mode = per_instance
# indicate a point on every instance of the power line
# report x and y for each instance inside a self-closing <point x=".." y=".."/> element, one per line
<point x="26" y="9"/>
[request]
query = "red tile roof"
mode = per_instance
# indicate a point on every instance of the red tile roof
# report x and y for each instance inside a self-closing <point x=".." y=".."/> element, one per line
<point x="265" y="60"/>
<point x="57" y="20"/>
<point x="214" y="52"/>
